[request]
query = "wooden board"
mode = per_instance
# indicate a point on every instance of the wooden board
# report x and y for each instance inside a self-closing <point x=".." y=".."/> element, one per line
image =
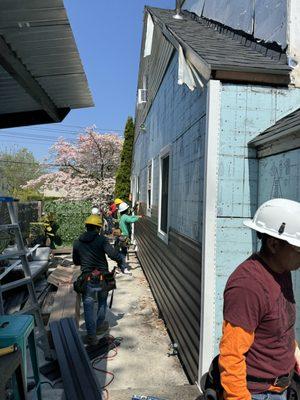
<point x="66" y="304"/>
<point x="62" y="250"/>
<point x="64" y="275"/>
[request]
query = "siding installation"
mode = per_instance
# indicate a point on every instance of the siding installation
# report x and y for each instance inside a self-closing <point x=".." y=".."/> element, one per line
<point x="177" y="119"/>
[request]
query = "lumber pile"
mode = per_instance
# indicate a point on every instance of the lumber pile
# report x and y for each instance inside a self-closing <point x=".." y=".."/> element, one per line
<point x="64" y="275"/>
<point x="66" y="304"/>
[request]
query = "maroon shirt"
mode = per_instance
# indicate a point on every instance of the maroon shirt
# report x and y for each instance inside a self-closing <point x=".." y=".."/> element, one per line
<point x="262" y="301"/>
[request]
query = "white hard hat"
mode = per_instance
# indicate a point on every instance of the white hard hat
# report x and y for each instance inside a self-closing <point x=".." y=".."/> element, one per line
<point x="279" y="218"/>
<point x="123" y="207"/>
<point x="95" y="210"/>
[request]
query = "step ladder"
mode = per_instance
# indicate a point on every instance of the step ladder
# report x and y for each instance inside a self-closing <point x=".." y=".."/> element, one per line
<point x="33" y="306"/>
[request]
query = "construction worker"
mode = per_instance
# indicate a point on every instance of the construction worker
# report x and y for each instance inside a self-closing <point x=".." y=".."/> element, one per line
<point x="258" y="352"/>
<point x="123" y="242"/>
<point x="118" y="202"/>
<point x="89" y="251"/>
<point x="95" y="210"/>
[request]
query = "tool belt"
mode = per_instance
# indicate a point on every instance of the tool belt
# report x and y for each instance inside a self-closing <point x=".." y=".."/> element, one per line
<point x="279" y="381"/>
<point x="104" y="280"/>
<point x="122" y="242"/>
<point x="212" y="389"/>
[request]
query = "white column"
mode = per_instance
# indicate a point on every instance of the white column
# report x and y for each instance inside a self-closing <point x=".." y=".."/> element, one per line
<point x="207" y="320"/>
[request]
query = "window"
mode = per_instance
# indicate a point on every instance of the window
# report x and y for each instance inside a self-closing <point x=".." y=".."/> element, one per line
<point x="138" y="189"/>
<point x="163" y="213"/>
<point x="149" y="187"/>
<point x="164" y="194"/>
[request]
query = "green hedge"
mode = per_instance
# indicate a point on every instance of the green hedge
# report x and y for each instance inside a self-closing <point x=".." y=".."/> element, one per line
<point x="69" y="216"/>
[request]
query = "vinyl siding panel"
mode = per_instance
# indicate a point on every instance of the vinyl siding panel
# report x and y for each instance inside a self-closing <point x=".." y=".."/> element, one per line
<point x="176" y="288"/>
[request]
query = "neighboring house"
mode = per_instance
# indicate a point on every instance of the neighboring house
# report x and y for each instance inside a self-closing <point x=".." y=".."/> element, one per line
<point x="59" y="193"/>
<point x="193" y="171"/>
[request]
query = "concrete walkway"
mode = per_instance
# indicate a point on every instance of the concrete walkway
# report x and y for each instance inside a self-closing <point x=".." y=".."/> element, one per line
<point x="142" y="365"/>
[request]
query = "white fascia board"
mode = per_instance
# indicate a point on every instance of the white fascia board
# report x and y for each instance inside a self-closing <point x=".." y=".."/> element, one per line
<point x="208" y="281"/>
<point x="294" y="39"/>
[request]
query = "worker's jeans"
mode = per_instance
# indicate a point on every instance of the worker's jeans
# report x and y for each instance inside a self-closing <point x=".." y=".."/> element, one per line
<point x="270" y="396"/>
<point x="109" y="220"/>
<point x="88" y="299"/>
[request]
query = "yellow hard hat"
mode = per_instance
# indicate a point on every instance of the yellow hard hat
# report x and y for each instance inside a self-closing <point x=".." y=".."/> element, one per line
<point x="118" y="201"/>
<point x="94" y="219"/>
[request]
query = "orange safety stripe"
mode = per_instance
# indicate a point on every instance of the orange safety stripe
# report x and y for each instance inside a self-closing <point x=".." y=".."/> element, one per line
<point x="234" y="344"/>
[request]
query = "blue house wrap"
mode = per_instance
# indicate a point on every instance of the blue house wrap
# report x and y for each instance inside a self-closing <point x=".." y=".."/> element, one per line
<point x="246" y="111"/>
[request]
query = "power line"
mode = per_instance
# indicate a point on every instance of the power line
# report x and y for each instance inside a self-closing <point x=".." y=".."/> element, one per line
<point x="31" y="136"/>
<point x="62" y="130"/>
<point x="32" y="163"/>
<point x="84" y="127"/>
<point x="34" y="135"/>
<point x="30" y="142"/>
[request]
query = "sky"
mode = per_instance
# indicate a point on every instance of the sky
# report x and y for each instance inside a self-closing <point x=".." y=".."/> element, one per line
<point x="108" y="36"/>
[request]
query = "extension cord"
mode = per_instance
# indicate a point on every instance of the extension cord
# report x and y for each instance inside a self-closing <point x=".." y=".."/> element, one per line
<point x="137" y="397"/>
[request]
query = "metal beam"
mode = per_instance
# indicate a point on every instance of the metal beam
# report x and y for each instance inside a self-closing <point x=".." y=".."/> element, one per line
<point x="14" y="66"/>
<point x="79" y="379"/>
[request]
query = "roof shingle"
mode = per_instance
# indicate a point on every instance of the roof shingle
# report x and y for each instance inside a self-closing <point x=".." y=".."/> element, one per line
<point x="217" y="49"/>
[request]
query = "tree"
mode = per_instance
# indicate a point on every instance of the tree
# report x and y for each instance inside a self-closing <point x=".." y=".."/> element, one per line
<point x="122" y="189"/>
<point x="16" y="168"/>
<point x="86" y="168"/>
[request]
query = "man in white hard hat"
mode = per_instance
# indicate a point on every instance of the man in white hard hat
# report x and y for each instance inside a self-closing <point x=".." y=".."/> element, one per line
<point x="95" y="211"/>
<point x="258" y="352"/>
<point x="125" y="223"/>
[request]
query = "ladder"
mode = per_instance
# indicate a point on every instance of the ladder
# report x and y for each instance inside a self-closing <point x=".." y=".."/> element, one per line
<point x="34" y="307"/>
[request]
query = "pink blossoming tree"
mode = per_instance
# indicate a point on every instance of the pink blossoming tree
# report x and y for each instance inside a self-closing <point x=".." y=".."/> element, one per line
<point x="86" y="169"/>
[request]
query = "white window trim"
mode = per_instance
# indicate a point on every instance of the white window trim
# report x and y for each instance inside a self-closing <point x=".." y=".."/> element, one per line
<point x="149" y="206"/>
<point x="166" y="151"/>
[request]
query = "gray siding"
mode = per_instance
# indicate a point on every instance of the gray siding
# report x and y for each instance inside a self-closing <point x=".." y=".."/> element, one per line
<point x="173" y="271"/>
<point x="177" y="117"/>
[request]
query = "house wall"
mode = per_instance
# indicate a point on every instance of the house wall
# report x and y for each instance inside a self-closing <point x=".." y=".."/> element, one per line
<point x="279" y="176"/>
<point x="177" y="118"/>
<point x="245" y="112"/>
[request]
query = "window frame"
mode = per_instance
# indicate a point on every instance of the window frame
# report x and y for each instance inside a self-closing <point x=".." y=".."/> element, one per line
<point x="164" y="153"/>
<point x="150" y="165"/>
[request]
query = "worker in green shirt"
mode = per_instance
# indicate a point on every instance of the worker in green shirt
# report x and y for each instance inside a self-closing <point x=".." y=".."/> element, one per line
<point x="126" y="220"/>
<point x="125" y="223"/>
